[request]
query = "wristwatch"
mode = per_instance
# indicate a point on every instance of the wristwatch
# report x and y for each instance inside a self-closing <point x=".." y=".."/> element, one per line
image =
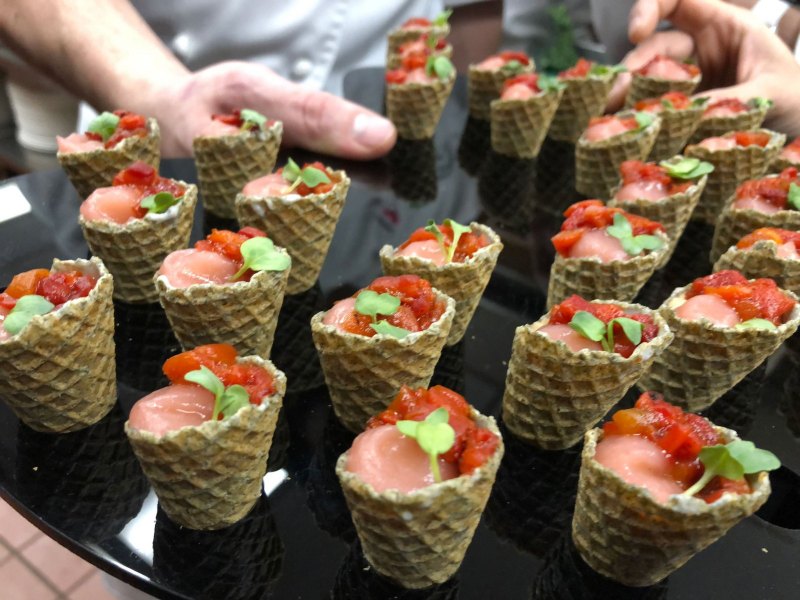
<point x="770" y="12"/>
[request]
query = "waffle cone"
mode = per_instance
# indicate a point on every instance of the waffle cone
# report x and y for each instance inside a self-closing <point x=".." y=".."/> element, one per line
<point x="209" y="476"/>
<point x="58" y="374"/>
<point x="398" y="37"/>
<point x="583" y="99"/>
<point x="304" y="227"/>
<point x="394" y="60"/>
<point x="484" y="85"/>
<point x="364" y="374"/>
<point x="643" y="87"/>
<point x="717" y="126"/>
<point x="463" y="282"/>
<point x="677" y="126"/>
<point x="597" y="163"/>
<point x="243" y="314"/>
<point x="704" y="361"/>
<point x="134" y="251"/>
<point x="520" y="126"/>
<point x="780" y="163"/>
<point x="590" y="278"/>
<point x="225" y="164"/>
<point x="419" y="539"/>
<point x="761" y="260"/>
<point x="415" y="108"/>
<point x="554" y="395"/>
<point x="91" y="170"/>
<point x="673" y="212"/>
<point x="624" y="534"/>
<point x="731" y="168"/>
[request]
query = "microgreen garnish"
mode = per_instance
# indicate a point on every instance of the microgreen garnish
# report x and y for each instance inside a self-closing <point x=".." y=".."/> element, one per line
<point x="311" y="176"/>
<point x="24" y="310"/>
<point x="793" y="197"/>
<point x="252" y="120"/>
<point x="760" y="103"/>
<point x="644" y="119"/>
<point x="441" y="19"/>
<point x="732" y="461"/>
<point x="260" y="254"/>
<point x="104" y="124"/>
<point x="387" y="328"/>
<point x="227" y="400"/>
<point x="592" y="328"/>
<point x="756" y="324"/>
<point x="513" y="67"/>
<point x="449" y="250"/>
<point x="434" y="435"/>
<point x="159" y="203"/>
<point x="548" y="83"/>
<point x="440" y="66"/>
<point x="667" y="103"/>
<point x="632" y="244"/>
<point x="601" y="70"/>
<point x="701" y="101"/>
<point x="372" y="304"/>
<point x="686" y="168"/>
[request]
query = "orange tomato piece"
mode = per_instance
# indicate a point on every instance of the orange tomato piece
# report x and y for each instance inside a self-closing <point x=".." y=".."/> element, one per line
<point x="25" y="284"/>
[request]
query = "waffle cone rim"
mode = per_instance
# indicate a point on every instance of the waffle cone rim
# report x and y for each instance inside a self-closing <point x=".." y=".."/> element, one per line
<point x="620" y="139"/>
<point x="153" y="131"/>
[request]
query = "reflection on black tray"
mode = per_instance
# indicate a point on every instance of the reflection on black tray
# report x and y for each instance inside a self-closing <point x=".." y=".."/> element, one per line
<point x="474" y="145"/>
<point x="412" y="165"/>
<point x="737" y="408"/>
<point x="507" y="190"/>
<point x="449" y="371"/>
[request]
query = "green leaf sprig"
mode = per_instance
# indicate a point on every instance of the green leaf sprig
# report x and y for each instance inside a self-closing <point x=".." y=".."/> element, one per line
<point x="159" y="203"/>
<point x="252" y="119"/>
<point x="592" y="328"/>
<point x="458" y="230"/>
<point x="632" y="244"/>
<point x="549" y="83"/>
<point x="512" y="67"/>
<point x="757" y="324"/>
<point x="760" y="103"/>
<point x="686" y="168"/>
<point x="227" y="400"/>
<point x="733" y="460"/>
<point x="434" y="435"/>
<point x="440" y="66"/>
<point x="260" y="254"/>
<point x="643" y="119"/>
<point x="311" y="176"/>
<point x="24" y="310"/>
<point x="701" y="101"/>
<point x="442" y="18"/>
<point x="793" y="197"/>
<point x="372" y="304"/>
<point x="104" y="125"/>
<point x="598" y="70"/>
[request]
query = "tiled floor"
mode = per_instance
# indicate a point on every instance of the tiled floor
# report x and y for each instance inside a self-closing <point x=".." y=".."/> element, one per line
<point x="34" y="567"/>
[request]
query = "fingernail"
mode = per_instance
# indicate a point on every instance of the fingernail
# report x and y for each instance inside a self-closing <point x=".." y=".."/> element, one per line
<point x="372" y="130"/>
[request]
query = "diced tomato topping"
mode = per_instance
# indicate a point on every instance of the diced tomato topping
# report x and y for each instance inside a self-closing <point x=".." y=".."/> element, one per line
<point x="691" y="70"/>
<point x="396" y="76"/>
<point x="529" y="79"/>
<point x="321" y="188"/>
<point x="774" y="190"/>
<point x="520" y="57"/>
<point x="59" y="288"/>
<point x="7" y="301"/>
<point x="733" y="104"/>
<point x="752" y="138"/>
<point x="24" y="284"/>
<point x="235" y="118"/>
<point x="130" y="125"/>
<point x="415" y="60"/>
<point x="677" y="100"/>
<point x="633" y="171"/>
<point x="416" y="22"/>
<point x="229" y="244"/>
<point x="254" y="379"/>
<point x="757" y="299"/>
<point x="578" y="70"/>
<point x="721" y="485"/>
<point x="773" y="234"/>
<point x="468" y="244"/>
<point x="144" y="177"/>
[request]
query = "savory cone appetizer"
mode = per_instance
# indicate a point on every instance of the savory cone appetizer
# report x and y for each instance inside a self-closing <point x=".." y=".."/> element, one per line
<point x="521" y="116"/>
<point x="203" y="441"/>
<point x="788" y="157"/>
<point x="587" y="87"/>
<point x="457" y="260"/>
<point x="604" y="252"/>
<point x="571" y="366"/>
<point x="666" y="193"/>
<point x="416" y="93"/>
<point x="112" y="142"/>
<point x="388" y="335"/>
<point x="417" y="27"/>
<point x="232" y="150"/>
<point x="426" y="45"/>
<point x="134" y="224"/>
<point x="486" y="78"/>
<point x="737" y="156"/>
<point x="657" y="485"/>
<point x="299" y="207"/>
<point x="661" y="75"/>
<point x="680" y="116"/>
<point x="416" y="482"/>
<point x="227" y="289"/>
<point x="57" y="368"/>
<point x="731" y="114"/>
<point x="606" y="144"/>
<point x="725" y="326"/>
<point x="766" y="252"/>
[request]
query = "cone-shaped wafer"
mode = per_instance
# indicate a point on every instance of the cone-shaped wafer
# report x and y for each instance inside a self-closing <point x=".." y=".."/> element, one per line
<point x="364" y="373"/>
<point x="643" y="87"/>
<point x="717" y="126"/>
<point x="226" y="163"/>
<point x="398" y="37"/>
<point x="676" y="128"/>
<point x="762" y="260"/>
<point x="624" y="534"/>
<point x="419" y="538"/>
<point x="209" y="476"/>
<point x="415" y="108"/>
<point x="591" y="278"/>
<point x="554" y="395"/>
<point x="520" y="126"/>
<point x="133" y="251"/>
<point x="304" y="226"/>
<point x="58" y="373"/>
<point x="704" y="361"/>
<point x="485" y="85"/>
<point x="394" y="60"/>
<point x="780" y="163"/>
<point x="732" y="167"/>
<point x="597" y="163"/>
<point x="464" y="282"/>
<point x="243" y="314"/>
<point x="583" y="98"/>
<point x="95" y="169"/>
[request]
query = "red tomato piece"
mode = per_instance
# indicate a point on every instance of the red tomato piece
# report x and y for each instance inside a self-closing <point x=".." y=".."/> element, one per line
<point x="258" y="382"/>
<point x="59" y="288"/>
<point x="24" y="284"/>
<point x="579" y="70"/>
<point x="520" y="57"/>
<point x="321" y="188"/>
<point x="528" y="79"/>
<point x="721" y="485"/>
<point x="752" y="138"/>
<point x="209" y="355"/>
<point x="396" y="76"/>
<point x="7" y="301"/>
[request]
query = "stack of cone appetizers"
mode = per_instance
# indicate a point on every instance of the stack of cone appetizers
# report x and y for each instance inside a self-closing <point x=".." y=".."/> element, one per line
<point x="730" y="114"/>
<point x="463" y="277"/>
<point x="131" y="238"/>
<point x="485" y="80"/>
<point x="766" y="252"/>
<point x="207" y="472"/>
<point x="680" y="116"/>
<point x="659" y="76"/>
<point x="299" y="209"/>
<point x="57" y="369"/>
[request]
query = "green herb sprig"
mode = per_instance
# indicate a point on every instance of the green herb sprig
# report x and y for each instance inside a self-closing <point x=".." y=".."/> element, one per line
<point x="550" y="83"/>
<point x="252" y="119"/>
<point x="104" y="124"/>
<point x="24" y="310"/>
<point x="311" y="176"/>
<point x="513" y="67"/>
<point x="372" y="304"/>
<point x="644" y="119"/>
<point x="632" y="244"/>
<point x="434" y="435"/>
<point x="760" y="103"/>
<point x="159" y="203"/>
<point x="227" y="400"/>
<point x="448" y="251"/>
<point x="592" y="328"/>
<point x="733" y="460"/>
<point x="686" y="168"/>
<point x="439" y="66"/>
<point x="793" y="197"/>
<point x="442" y="18"/>
<point x="260" y="254"/>
<point x="598" y="70"/>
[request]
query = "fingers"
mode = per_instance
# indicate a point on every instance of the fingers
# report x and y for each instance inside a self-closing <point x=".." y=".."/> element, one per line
<point x="644" y="17"/>
<point x="688" y="15"/>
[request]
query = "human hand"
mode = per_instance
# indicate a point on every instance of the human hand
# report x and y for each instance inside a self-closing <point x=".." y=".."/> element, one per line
<point x="311" y="119"/>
